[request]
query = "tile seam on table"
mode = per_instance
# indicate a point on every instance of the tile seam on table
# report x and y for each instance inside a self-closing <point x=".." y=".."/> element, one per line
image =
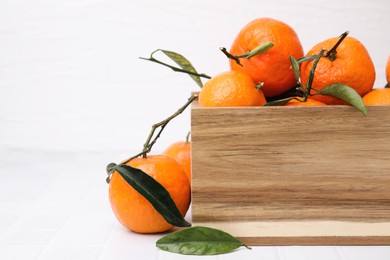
<point x="109" y="238"/>
<point x="34" y="204"/>
<point x="279" y="253"/>
<point x="339" y="253"/>
<point x="61" y="229"/>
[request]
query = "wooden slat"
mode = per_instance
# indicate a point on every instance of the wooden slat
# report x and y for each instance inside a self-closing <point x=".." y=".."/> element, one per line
<point x="307" y="232"/>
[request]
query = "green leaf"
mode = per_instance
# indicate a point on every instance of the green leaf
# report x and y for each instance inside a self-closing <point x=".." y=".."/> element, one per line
<point x="345" y="93"/>
<point x="199" y="241"/>
<point x="184" y="64"/>
<point x="307" y="58"/>
<point x="295" y="66"/>
<point x="260" y="49"/>
<point x="154" y="192"/>
<point x="312" y="71"/>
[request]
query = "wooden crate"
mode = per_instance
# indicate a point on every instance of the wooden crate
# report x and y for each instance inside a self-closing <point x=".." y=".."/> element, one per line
<point x="293" y="175"/>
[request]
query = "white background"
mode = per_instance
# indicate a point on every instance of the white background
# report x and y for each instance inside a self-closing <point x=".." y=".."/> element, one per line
<point x="71" y="78"/>
<point x="74" y="96"/>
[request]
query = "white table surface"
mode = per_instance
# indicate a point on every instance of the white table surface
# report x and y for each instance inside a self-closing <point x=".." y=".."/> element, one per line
<point x="55" y="206"/>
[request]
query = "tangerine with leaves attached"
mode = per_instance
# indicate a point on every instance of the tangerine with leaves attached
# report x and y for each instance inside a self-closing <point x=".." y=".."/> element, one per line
<point x="133" y="210"/>
<point x="272" y="67"/>
<point x="350" y="64"/>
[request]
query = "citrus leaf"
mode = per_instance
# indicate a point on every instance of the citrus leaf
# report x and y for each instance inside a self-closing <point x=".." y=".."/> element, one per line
<point x="295" y="66"/>
<point x="184" y="64"/>
<point x="307" y="58"/>
<point x="199" y="241"/>
<point x="260" y="49"/>
<point x="345" y="93"/>
<point x="154" y="192"/>
<point x="312" y="71"/>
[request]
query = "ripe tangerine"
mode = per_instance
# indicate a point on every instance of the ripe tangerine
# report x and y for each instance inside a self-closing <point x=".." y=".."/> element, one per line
<point x="229" y="89"/>
<point x="380" y="96"/>
<point x="133" y="210"/>
<point x="352" y="66"/>
<point x="181" y="152"/>
<point x="273" y="67"/>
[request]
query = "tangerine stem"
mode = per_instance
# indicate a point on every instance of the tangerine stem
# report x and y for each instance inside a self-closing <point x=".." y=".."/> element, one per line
<point x="188" y="137"/>
<point x="331" y="54"/>
<point x="249" y="54"/>
<point x="311" y="75"/>
<point x="176" y="69"/>
<point x="231" y="56"/>
<point x="150" y="141"/>
<point x="296" y="91"/>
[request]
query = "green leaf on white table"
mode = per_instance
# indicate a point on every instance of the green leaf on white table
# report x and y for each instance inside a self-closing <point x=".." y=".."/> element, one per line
<point x="154" y="192"/>
<point x="199" y="241"/>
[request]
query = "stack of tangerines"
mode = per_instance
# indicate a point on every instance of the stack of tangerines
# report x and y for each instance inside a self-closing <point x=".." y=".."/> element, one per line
<point x="253" y="81"/>
<point x="250" y="82"/>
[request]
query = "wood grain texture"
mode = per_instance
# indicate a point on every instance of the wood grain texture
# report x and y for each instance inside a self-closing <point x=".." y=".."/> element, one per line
<point x="290" y="163"/>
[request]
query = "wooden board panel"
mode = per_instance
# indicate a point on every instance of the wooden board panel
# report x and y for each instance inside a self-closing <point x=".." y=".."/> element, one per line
<point x="291" y="164"/>
<point x="307" y="232"/>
